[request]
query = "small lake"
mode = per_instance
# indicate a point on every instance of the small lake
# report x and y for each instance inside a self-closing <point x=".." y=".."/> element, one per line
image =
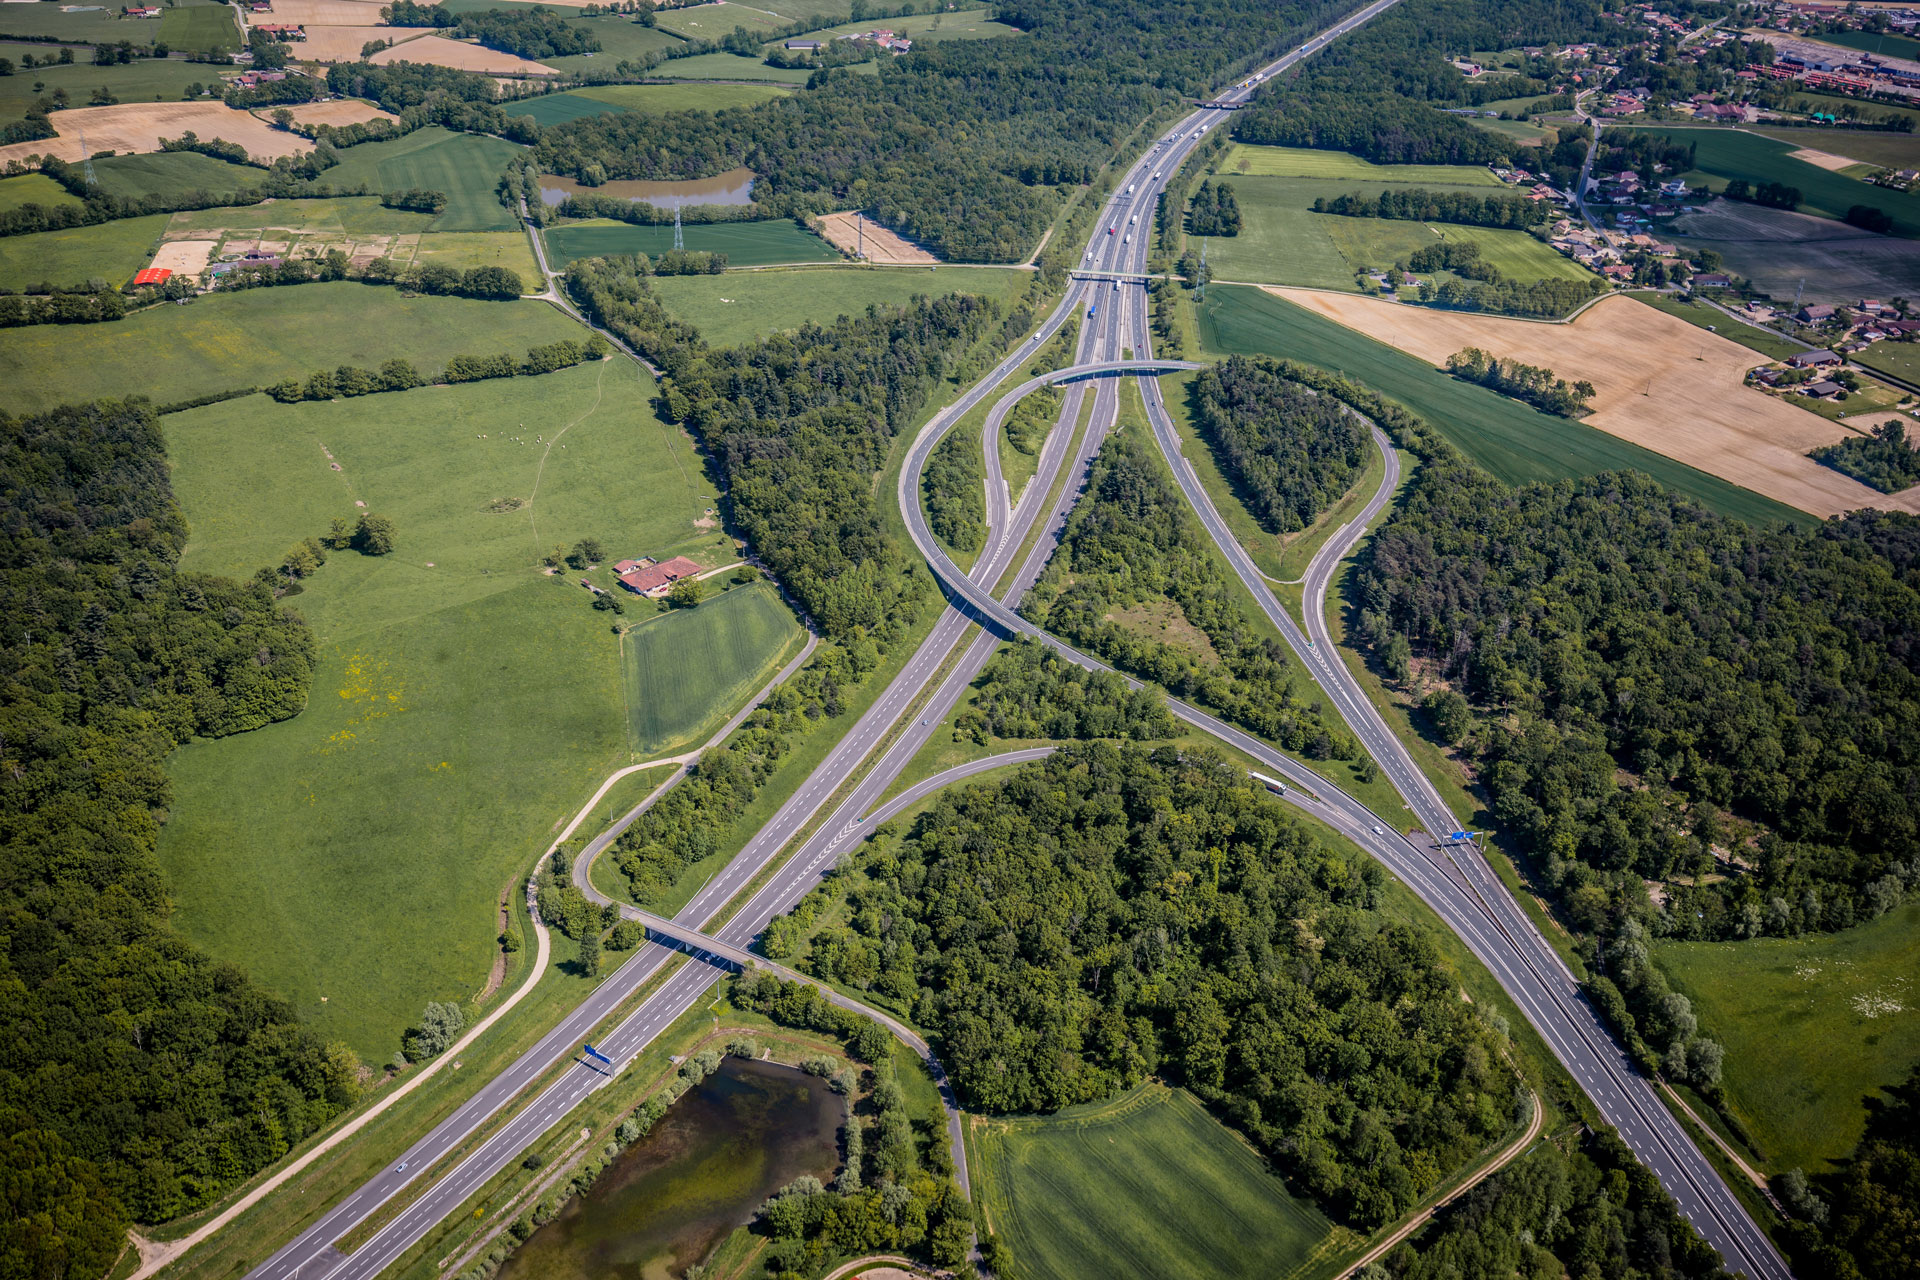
<point x="743" y="1133"/>
<point x="732" y="187"/>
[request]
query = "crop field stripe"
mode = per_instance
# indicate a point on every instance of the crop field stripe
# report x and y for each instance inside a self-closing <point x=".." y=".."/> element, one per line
<point x="1515" y="443"/>
<point x="686" y="669"/>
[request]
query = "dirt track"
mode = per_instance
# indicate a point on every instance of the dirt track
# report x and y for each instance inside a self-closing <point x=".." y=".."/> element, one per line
<point x="1660" y="382"/>
<point x="843" y="231"/>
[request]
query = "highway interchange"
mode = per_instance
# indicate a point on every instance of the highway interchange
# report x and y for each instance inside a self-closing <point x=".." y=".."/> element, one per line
<point x="1455" y="881"/>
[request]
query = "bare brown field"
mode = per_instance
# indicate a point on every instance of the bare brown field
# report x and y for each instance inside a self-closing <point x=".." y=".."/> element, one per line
<point x="461" y="56"/>
<point x="1824" y="159"/>
<point x="340" y="111"/>
<point x="139" y="126"/>
<point x="322" y="13"/>
<point x="185" y="257"/>
<point x="1659" y="382"/>
<point x="843" y="231"/>
<point x="343" y="44"/>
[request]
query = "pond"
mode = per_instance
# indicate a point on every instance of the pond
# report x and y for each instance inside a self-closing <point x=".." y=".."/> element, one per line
<point x="732" y="187"/>
<point x="740" y="1135"/>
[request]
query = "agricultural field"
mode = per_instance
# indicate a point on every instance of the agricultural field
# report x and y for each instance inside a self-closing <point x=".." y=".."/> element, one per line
<point x="922" y="28"/>
<point x="712" y="21"/>
<point x="466" y="166"/>
<point x="557" y="108"/>
<point x="1703" y="316"/>
<point x="1885" y="42"/>
<point x="354" y="217"/>
<point x="465" y="250"/>
<point x="686" y="669"/>
<point x="1901" y="359"/>
<point x="258" y="337"/>
<point x="1527" y="135"/>
<point x="1516" y="443"/>
<point x="143" y="80"/>
<point x="170" y="173"/>
<point x="740" y="306"/>
<point x="135" y="126"/>
<point x="621" y="38"/>
<point x="200" y="25"/>
<point x="1880" y="149"/>
<point x="1813" y="1027"/>
<point x="1659" y="382"/>
<point x="746" y="244"/>
<point x="1721" y="154"/>
<point x="102" y="26"/>
<point x="110" y="251"/>
<point x="33" y="188"/>
<point x="463" y="701"/>
<point x="731" y="66"/>
<point x="1304" y="162"/>
<point x="1147" y="1184"/>
<point x="1785" y="254"/>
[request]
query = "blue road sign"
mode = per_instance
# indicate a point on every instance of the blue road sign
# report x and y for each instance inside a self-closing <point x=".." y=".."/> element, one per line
<point x="596" y="1054"/>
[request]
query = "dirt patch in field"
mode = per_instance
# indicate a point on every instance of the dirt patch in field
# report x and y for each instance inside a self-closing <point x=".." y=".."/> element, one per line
<point x="341" y="111"/>
<point x="1783" y="252"/>
<point x="1824" y="159"/>
<point x="139" y="126"/>
<point x="1659" y="382"/>
<point x="185" y="257"/>
<point x="461" y="56"/>
<point x="852" y="231"/>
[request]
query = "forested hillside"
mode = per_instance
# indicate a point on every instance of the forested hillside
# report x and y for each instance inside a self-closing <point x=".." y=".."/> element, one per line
<point x="959" y="144"/>
<point x="138" y="1078"/>
<point x="1374" y="92"/>
<point x="1290" y="452"/>
<point x="1133" y="547"/>
<point x="1658" y="682"/>
<point x="1111" y="913"/>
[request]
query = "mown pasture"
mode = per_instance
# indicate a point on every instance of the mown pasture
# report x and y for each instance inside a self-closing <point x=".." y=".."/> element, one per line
<point x="33" y="188"/>
<point x="685" y="669"/>
<point x="172" y="173"/>
<point x="110" y="251"/>
<point x="200" y="26"/>
<point x="746" y="244"/>
<point x="1306" y="162"/>
<point x="621" y="35"/>
<point x="1147" y="1184"/>
<point x="466" y="166"/>
<point x="740" y="306"/>
<point x="257" y="337"/>
<point x="1516" y="443"/>
<point x="463" y="701"/>
<point x="1814" y="1028"/>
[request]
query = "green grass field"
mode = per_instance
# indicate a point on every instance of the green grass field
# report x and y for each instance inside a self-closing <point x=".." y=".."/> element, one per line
<point x="33" y="188"/>
<point x="1722" y="154"/>
<point x="104" y="26"/>
<point x="740" y="306"/>
<point x="112" y="251"/>
<point x="143" y="80"/>
<point x="1901" y="359"/>
<point x="1148" y="1184"/>
<point x="208" y="26"/>
<point x="1515" y="443"/>
<point x="924" y="28"/>
<point x="712" y="21"/>
<point x="728" y="66"/>
<point x="746" y="244"/>
<point x="1833" y="104"/>
<point x="558" y="108"/>
<point x="335" y="215"/>
<point x="687" y="668"/>
<point x="1698" y="313"/>
<point x="258" y="337"/>
<point x="463" y="702"/>
<point x="467" y="166"/>
<point x="466" y="249"/>
<point x="620" y="35"/>
<point x="1893" y="46"/>
<point x="171" y="173"/>
<point x="599" y="100"/>
<point x="1527" y="135"/>
<point x="1883" y="149"/>
<point x="1812" y="1027"/>
<point x="1303" y="162"/>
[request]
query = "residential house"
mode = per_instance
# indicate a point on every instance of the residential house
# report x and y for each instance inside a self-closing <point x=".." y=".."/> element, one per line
<point x="1712" y="280"/>
<point x="1814" y="313"/>
<point x="656" y="579"/>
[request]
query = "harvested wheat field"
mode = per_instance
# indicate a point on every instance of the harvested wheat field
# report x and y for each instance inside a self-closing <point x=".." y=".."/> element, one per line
<point x="1658" y="381"/>
<point x="322" y="13"/>
<point x="341" y="111"/>
<point x="343" y="44"/>
<point x="185" y="257"/>
<point x="461" y="56"/>
<point x="139" y="126"/>
<point x="1824" y="159"/>
<point x="844" y="231"/>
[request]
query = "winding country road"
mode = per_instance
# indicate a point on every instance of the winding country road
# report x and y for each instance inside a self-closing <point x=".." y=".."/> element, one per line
<point x="441" y="1172"/>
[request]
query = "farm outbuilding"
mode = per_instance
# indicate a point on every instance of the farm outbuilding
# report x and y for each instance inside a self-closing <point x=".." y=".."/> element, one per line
<point x="656" y="578"/>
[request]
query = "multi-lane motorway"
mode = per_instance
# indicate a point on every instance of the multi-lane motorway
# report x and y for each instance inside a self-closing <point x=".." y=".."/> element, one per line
<point x="480" y="1138"/>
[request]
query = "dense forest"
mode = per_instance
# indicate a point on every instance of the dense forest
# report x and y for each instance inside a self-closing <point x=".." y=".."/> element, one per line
<point x="1886" y="459"/>
<point x="951" y="486"/>
<point x="959" y="145"/>
<point x="799" y="423"/>
<point x="1029" y="691"/>
<point x="1114" y="912"/>
<point x="1289" y="451"/>
<point x="530" y="33"/>
<point x="1134" y="567"/>
<point x="1213" y="211"/>
<point x="139" y="1079"/>
<point x="1863" y="1221"/>
<point x="1668" y="694"/>
<point x="1374" y="91"/>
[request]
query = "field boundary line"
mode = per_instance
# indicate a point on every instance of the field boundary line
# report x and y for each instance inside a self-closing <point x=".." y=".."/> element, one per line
<point x="1569" y="318"/>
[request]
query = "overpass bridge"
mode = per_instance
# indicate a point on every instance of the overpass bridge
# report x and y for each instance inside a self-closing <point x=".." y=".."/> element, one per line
<point x="1135" y="277"/>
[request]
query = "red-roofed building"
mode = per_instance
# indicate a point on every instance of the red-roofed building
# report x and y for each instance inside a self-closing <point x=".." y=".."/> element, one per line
<point x="153" y="275"/>
<point x="656" y="578"/>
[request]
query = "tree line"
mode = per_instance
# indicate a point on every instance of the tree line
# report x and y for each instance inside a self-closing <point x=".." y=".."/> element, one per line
<point x="533" y="34"/>
<point x="1131" y="543"/>
<point x="143" y="1079"/>
<point x="1115" y="912"/>
<point x="398" y="374"/>
<point x="1290" y="452"/>
<point x="1524" y="382"/>
<point x="1416" y="204"/>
